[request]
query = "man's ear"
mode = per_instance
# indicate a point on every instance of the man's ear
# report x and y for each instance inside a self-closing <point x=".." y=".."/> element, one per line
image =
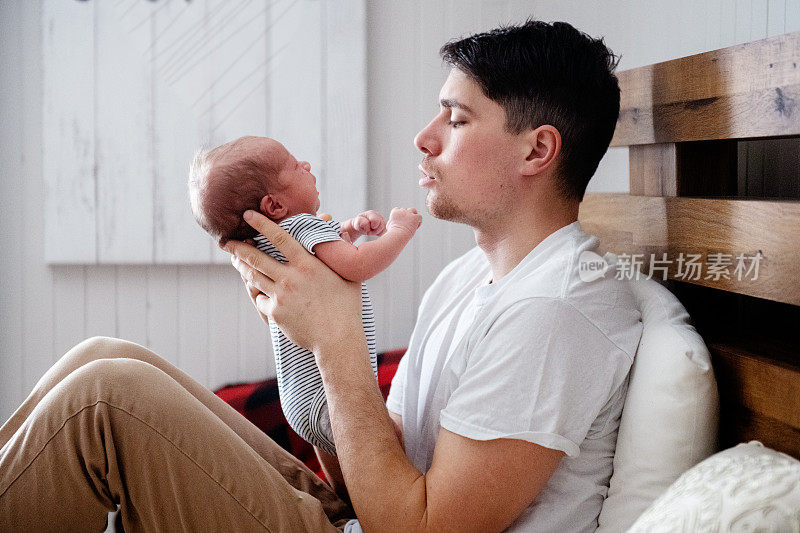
<point x="272" y="207"/>
<point x="542" y="146"/>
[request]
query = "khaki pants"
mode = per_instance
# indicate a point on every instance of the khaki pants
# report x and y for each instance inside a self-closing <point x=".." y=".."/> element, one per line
<point x="113" y="423"/>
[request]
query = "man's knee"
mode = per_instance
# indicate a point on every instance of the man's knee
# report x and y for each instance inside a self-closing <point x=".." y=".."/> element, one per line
<point x="118" y="382"/>
<point x="98" y="347"/>
<point x="99" y="344"/>
<point x="107" y="378"/>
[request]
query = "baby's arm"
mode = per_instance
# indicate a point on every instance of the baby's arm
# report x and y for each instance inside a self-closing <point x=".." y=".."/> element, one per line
<point x="360" y="263"/>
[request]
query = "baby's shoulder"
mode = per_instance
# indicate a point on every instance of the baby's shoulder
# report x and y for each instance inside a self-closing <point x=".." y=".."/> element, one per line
<point x="305" y="223"/>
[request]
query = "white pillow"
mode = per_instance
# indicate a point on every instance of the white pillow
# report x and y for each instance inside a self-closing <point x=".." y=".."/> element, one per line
<point x="669" y="422"/>
<point x="745" y="488"/>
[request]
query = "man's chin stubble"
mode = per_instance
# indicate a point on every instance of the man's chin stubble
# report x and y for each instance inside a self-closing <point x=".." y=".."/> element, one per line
<point x="443" y="209"/>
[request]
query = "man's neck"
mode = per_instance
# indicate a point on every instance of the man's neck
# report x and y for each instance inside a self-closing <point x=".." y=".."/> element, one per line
<point x="507" y="244"/>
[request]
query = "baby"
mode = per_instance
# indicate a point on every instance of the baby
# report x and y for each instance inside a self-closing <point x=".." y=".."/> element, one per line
<point x="260" y="174"/>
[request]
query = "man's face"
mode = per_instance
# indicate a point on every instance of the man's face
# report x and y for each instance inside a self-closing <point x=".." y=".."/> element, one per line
<point x="469" y="155"/>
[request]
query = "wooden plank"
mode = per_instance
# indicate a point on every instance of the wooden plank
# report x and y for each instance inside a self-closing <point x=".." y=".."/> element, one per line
<point x="192" y="327"/>
<point x="345" y="108"/>
<point x="12" y="217"/>
<point x="223" y="332"/>
<point x="776" y="15"/>
<point x="747" y="90"/>
<point x="759" y="382"/>
<point x="399" y="311"/>
<point x="238" y="67"/>
<point x="759" y="396"/>
<point x="432" y="251"/>
<point x="650" y="225"/>
<point x="131" y="289"/>
<point x="739" y="424"/>
<point x="653" y="169"/>
<point x="101" y="300"/>
<point x="792" y="21"/>
<point x="296" y="83"/>
<point x="162" y="311"/>
<point x="176" y="108"/>
<point x="69" y="304"/>
<point x="68" y="136"/>
<point x="256" y="360"/>
<point x="124" y="154"/>
<point x="37" y="277"/>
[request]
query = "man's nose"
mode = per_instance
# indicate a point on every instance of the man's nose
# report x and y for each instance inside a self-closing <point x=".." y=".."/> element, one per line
<point x="306" y="165"/>
<point x="427" y="141"/>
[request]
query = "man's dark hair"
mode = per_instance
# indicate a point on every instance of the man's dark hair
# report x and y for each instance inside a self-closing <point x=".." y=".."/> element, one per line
<point x="548" y="74"/>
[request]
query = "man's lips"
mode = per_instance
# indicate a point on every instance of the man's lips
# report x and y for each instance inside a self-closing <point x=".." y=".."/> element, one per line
<point x="426" y="179"/>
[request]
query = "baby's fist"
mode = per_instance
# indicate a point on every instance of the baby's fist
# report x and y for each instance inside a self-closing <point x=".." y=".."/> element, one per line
<point x="406" y="218"/>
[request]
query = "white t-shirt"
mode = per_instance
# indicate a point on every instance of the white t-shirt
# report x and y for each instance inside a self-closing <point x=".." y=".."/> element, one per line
<point x="538" y="355"/>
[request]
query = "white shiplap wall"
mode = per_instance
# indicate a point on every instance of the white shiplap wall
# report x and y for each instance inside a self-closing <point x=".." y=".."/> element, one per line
<point x="197" y="316"/>
<point x="132" y="87"/>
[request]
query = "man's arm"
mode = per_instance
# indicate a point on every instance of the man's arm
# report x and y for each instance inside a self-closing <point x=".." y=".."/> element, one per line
<point x="360" y="263"/>
<point x="471" y="485"/>
<point x="332" y="469"/>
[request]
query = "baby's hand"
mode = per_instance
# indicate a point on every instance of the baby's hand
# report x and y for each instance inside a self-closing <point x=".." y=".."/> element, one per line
<point x="406" y="218"/>
<point x="367" y="223"/>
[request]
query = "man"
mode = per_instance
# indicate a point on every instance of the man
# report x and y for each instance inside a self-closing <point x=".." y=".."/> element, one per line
<point x="505" y="409"/>
<point x="509" y="397"/>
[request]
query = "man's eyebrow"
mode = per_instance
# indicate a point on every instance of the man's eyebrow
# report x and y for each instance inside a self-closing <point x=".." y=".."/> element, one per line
<point x="449" y="103"/>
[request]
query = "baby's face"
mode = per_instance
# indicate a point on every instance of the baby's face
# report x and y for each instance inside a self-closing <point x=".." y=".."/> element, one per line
<point x="298" y="185"/>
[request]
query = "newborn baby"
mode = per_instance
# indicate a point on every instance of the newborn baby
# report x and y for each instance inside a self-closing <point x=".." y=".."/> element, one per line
<point x="260" y="174"/>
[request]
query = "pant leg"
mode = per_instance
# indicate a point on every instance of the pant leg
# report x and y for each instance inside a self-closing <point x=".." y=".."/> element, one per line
<point x="122" y="431"/>
<point x="294" y="471"/>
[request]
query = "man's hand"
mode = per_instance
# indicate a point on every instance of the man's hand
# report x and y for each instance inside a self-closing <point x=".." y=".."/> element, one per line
<point x="303" y="297"/>
<point x="406" y="218"/>
<point x="366" y="223"/>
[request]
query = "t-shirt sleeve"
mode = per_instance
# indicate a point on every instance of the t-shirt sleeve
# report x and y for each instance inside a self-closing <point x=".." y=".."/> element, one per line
<point x="542" y="373"/>
<point x="309" y="231"/>
<point x="394" y="402"/>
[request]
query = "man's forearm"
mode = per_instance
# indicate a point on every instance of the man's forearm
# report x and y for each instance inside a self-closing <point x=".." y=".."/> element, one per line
<point x="386" y="490"/>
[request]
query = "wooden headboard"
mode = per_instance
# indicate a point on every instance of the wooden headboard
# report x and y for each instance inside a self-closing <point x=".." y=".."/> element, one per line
<point x="714" y="144"/>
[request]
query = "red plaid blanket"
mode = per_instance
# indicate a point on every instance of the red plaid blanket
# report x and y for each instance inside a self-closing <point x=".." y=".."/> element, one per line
<point x="259" y="403"/>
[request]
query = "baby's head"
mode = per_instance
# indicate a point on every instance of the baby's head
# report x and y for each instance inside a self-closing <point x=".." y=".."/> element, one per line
<point x="249" y="173"/>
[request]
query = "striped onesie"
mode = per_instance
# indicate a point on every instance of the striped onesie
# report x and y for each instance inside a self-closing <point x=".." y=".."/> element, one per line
<point x="299" y="381"/>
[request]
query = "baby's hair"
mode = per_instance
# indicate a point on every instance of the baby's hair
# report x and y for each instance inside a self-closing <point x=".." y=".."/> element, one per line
<point x="219" y="203"/>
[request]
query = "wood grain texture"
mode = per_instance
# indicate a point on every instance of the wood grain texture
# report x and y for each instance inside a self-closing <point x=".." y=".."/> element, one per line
<point x="38" y="283"/>
<point x="177" y="238"/>
<point x="344" y="188"/>
<point x="747" y="90"/>
<point x="68" y="131"/>
<point x="759" y="396"/>
<point x="123" y="156"/>
<point x="11" y="213"/>
<point x="646" y="225"/>
<point x="653" y="169"/>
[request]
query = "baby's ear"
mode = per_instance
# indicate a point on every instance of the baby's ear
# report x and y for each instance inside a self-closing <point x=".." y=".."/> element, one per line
<point x="272" y="207"/>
